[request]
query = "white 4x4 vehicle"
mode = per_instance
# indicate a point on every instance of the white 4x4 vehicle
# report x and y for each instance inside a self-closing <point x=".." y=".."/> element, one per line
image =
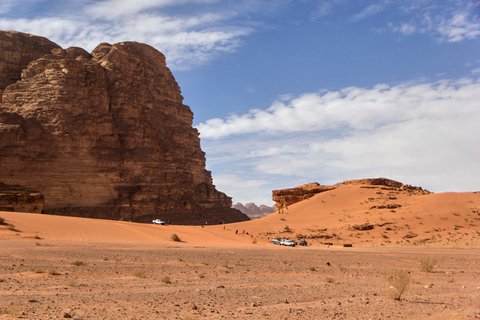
<point x="275" y="241"/>
<point x="288" y="242"/>
<point x="158" y="221"/>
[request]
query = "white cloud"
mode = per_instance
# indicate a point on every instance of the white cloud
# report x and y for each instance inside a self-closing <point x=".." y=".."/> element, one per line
<point x="406" y="29"/>
<point x="114" y="9"/>
<point x="51" y="28"/>
<point x="6" y="5"/>
<point x="422" y="134"/>
<point x="187" y="40"/>
<point x="451" y="22"/>
<point x="352" y="108"/>
<point x="193" y="32"/>
<point x="460" y="27"/>
<point x="369" y="11"/>
<point x="323" y="9"/>
<point x="243" y="189"/>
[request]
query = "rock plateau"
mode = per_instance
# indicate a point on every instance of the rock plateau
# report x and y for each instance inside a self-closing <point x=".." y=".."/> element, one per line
<point x="102" y="134"/>
<point x="285" y="197"/>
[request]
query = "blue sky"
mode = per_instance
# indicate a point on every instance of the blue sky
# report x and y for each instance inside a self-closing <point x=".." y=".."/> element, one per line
<point x="289" y="92"/>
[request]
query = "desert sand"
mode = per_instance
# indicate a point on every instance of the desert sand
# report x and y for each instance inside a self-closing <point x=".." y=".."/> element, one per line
<point x="55" y="267"/>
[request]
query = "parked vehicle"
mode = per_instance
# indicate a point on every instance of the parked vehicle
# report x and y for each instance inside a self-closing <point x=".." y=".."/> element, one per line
<point x="275" y="241"/>
<point x="303" y="242"/>
<point x="288" y="242"/>
<point x="158" y="221"/>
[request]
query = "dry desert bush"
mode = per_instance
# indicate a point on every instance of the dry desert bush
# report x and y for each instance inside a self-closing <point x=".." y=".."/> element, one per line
<point x="175" y="238"/>
<point x="329" y="280"/>
<point x="53" y="272"/>
<point x="238" y="260"/>
<point x="2" y="221"/>
<point x="427" y="264"/>
<point x="399" y="281"/>
<point x="166" y="280"/>
<point x="70" y="282"/>
<point x="225" y="263"/>
<point x="78" y="263"/>
<point x="139" y="273"/>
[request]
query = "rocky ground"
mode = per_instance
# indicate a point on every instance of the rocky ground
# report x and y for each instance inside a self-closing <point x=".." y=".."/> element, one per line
<point x="42" y="279"/>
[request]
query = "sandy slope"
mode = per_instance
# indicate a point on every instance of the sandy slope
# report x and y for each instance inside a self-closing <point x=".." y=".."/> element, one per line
<point x="436" y="219"/>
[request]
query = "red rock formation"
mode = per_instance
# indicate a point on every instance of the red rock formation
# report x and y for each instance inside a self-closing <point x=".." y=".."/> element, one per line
<point x="13" y="60"/>
<point x="285" y="197"/>
<point x="103" y="135"/>
<point x="20" y="199"/>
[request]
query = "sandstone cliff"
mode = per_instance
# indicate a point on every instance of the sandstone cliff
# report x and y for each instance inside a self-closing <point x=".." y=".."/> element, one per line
<point x="102" y="135"/>
<point x="285" y="197"/>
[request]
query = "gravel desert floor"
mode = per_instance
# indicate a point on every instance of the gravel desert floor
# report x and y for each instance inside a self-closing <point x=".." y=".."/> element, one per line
<point x="421" y="248"/>
<point x="41" y="279"/>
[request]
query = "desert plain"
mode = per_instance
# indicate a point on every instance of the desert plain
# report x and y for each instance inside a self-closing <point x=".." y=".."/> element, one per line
<point x="56" y="267"/>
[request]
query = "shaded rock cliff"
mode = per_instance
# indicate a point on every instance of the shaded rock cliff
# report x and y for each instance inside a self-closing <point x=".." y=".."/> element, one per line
<point x="102" y="135"/>
<point x="20" y="199"/>
<point x="285" y="197"/>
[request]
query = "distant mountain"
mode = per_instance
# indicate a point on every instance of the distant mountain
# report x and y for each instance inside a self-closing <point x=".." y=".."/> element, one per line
<point x="253" y="211"/>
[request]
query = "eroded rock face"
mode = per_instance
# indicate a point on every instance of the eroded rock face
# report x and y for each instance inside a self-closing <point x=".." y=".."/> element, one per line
<point x="104" y="135"/>
<point x="285" y="197"/>
<point x="20" y="199"/>
<point x="17" y="50"/>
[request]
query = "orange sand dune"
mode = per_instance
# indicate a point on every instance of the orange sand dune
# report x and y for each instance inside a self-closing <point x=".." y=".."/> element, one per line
<point x="60" y="228"/>
<point x="444" y="219"/>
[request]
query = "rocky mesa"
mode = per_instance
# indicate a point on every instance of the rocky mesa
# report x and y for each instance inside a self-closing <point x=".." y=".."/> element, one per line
<point x="102" y="134"/>
<point x="285" y="197"/>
